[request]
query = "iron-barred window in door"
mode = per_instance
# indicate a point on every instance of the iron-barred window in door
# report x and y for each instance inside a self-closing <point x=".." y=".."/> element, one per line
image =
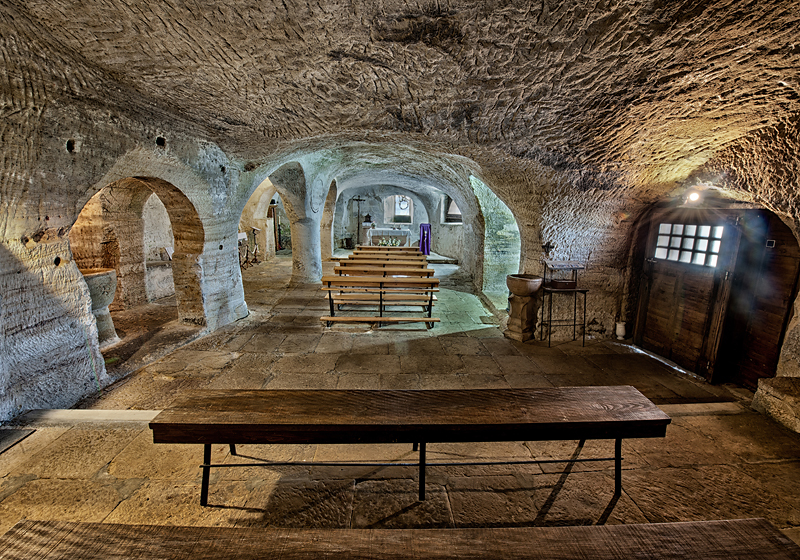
<point x="689" y="243"/>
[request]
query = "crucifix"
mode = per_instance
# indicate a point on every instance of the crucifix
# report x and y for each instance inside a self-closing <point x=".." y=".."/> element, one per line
<point x="547" y="247"/>
<point x="358" y="200"/>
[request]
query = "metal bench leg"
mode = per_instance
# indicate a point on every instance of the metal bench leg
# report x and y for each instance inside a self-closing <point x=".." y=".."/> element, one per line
<point x="422" y="472"/>
<point x="233" y="448"/>
<point x="618" y="468"/>
<point x="206" y="472"/>
<point x="416" y="446"/>
<point x="330" y="301"/>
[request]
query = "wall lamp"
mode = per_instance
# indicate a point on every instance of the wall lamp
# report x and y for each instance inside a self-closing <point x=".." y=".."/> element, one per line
<point x="693" y="197"/>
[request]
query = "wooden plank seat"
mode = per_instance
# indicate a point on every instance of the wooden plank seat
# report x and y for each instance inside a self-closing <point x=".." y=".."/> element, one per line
<point x="737" y="539"/>
<point x="396" y="416"/>
<point x="383" y="271"/>
<point x="384" y="262"/>
<point x="387" y="289"/>
<point x="367" y="298"/>
<point x="388" y="256"/>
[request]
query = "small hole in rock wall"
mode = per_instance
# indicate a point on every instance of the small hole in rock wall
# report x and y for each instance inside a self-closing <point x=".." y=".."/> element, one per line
<point x="220" y="247"/>
<point x="161" y="142"/>
<point x="222" y="168"/>
<point x="57" y="261"/>
<point x="70" y="145"/>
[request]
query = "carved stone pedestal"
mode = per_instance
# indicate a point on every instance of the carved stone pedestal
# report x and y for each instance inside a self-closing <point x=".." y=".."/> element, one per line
<point x="102" y="284"/>
<point x="522" y="317"/>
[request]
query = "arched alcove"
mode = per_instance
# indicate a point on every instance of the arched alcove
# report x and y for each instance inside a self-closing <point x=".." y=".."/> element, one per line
<point x="259" y="213"/>
<point x="110" y="232"/>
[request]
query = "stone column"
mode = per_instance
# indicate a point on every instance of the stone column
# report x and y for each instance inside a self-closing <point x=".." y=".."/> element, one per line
<point x="306" y="263"/>
<point x="304" y="205"/>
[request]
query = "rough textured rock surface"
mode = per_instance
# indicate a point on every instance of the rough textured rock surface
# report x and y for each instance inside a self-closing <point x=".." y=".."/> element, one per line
<point x="577" y="116"/>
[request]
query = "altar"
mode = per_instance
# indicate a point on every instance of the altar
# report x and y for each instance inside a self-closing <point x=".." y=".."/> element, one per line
<point x="374" y="236"/>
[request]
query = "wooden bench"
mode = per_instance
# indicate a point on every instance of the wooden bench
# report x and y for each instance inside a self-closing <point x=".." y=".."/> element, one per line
<point x="381" y="291"/>
<point x="738" y="539"/>
<point x="388" y="256"/>
<point x="375" y="416"/>
<point x="352" y="270"/>
<point x="383" y="262"/>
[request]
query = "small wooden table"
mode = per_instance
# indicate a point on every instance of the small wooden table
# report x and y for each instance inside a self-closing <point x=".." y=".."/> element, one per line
<point x="378" y="416"/>
<point x="739" y="539"/>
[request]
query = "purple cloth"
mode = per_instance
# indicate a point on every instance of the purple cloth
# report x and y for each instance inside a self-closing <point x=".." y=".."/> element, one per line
<point x="425" y="239"/>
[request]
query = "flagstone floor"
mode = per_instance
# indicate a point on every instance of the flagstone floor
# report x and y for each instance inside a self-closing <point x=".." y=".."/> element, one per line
<point x="720" y="459"/>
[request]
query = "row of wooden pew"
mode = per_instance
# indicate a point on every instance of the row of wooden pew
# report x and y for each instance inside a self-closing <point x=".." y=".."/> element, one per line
<point x="382" y="278"/>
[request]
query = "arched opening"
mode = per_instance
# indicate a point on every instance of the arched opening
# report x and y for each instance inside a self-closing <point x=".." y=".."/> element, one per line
<point x="398" y="209"/>
<point x="149" y="234"/>
<point x="501" y="242"/>
<point x="260" y="222"/>
<point x="381" y="214"/>
<point x="479" y="233"/>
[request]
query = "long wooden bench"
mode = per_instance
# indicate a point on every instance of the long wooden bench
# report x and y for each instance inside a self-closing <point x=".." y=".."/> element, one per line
<point x="379" y="291"/>
<point x="389" y="256"/>
<point x="375" y="416"/>
<point x="383" y="271"/>
<point x="383" y="262"/>
<point x="738" y="539"/>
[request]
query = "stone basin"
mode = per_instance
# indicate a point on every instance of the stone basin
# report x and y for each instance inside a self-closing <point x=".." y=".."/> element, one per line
<point x="102" y="284"/>
<point x="523" y="285"/>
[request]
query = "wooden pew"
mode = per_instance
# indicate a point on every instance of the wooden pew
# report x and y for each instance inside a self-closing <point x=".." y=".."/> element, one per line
<point x="738" y="539"/>
<point x="381" y="292"/>
<point x="384" y="416"/>
<point x="369" y="270"/>
<point x="389" y="256"/>
<point x="377" y="261"/>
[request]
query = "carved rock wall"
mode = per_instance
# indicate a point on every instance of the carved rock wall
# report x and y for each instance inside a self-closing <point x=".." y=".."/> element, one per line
<point x="578" y="116"/>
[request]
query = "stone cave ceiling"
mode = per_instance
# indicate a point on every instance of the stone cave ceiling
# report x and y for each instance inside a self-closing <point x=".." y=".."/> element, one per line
<point x="649" y="89"/>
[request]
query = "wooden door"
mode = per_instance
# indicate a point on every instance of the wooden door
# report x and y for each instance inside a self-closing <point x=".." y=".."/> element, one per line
<point x="685" y="286"/>
<point x="763" y="290"/>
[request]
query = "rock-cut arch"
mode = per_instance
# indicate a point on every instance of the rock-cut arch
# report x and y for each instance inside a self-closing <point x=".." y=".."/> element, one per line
<point x="115" y="212"/>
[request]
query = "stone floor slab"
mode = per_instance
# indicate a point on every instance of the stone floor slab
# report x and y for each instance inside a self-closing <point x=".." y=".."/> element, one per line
<point x="79" y="453"/>
<point x="706" y="492"/>
<point x="367" y="363"/>
<point x="175" y="502"/>
<point x="59" y="500"/>
<point x="394" y="504"/>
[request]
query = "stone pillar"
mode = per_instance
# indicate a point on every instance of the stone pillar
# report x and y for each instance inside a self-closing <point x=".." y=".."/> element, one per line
<point x="304" y="205"/>
<point x="522" y="317"/>
<point x="306" y="263"/>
